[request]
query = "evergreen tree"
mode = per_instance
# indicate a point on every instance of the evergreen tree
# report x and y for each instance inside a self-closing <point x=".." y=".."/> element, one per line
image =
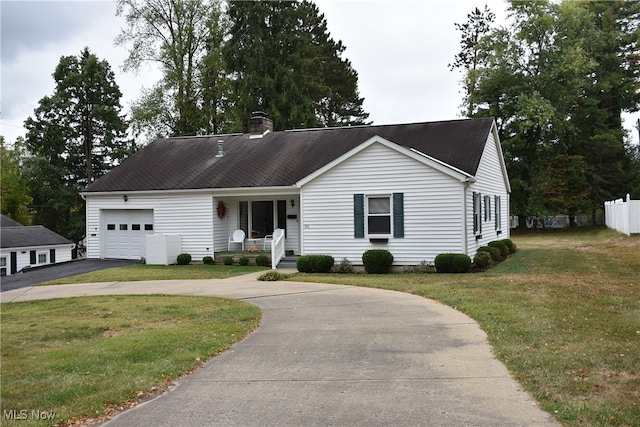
<point x="75" y="136"/>
<point x="284" y="62"/>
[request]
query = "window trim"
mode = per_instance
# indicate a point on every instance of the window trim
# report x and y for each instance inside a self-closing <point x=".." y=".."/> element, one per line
<point x="477" y="214"/>
<point x="498" y="216"/>
<point x="42" y="255"/>
<point x="368" y="215"/>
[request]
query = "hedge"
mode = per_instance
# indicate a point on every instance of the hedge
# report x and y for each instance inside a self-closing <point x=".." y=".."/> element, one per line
<point x="315" y="263"/>
<point x="377" y="261"/>
<point x="453" y="263"/>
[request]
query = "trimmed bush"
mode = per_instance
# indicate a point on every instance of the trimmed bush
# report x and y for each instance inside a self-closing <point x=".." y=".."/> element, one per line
<point x="228" y="260"/>
<point x="243" y="260"/>
<point x="510" y="245"/>
<point x="184" y="259"/>
<point x="207" y="260"/>
<point x="482" y="260"/>
<point x="453" y="263"/>
<point x="495" y="253"/>
<point x="377" y="261"/>
<point x="345" y="267"/>
<point x="272" y="276"/>
<point x="504" y="249"/>
<point x="315" y="263"/>
<point x="263" y="261"/>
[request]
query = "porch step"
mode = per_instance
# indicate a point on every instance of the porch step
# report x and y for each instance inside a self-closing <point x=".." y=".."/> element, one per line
<point x="288" y="262"/>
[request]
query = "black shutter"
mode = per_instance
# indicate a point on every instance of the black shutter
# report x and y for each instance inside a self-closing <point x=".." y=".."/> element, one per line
<point x="52" y="256"/>
<point x="358" y="216"/>
<point x="32" y="257"/>
<point x="398" y="214"/>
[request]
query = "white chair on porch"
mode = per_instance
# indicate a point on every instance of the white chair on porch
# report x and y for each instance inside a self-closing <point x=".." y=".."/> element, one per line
<point x="270" y="237"/>
<point x="236" y="238"/>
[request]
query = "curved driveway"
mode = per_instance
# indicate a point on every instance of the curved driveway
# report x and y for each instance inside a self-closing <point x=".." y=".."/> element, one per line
<point x="328" y="355"/>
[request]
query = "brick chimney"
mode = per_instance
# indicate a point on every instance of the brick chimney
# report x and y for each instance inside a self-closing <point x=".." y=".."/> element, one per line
<point x="259" y="124"/>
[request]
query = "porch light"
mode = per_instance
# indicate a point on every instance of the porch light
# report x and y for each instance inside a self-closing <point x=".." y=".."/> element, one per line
<point x="293" y="202"/>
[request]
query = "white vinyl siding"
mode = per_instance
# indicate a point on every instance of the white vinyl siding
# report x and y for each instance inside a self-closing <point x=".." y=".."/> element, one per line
<point x="490" y="184"/>
<point x="189" y="215"/>
<point x="63" y="253"/>
<point x="433" y="212"/>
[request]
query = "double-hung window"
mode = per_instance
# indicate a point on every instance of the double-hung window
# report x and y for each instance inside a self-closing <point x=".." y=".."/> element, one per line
<point x="477" y="218"/>
<point x="498" y="208"/>
<point x="379" y="216"/>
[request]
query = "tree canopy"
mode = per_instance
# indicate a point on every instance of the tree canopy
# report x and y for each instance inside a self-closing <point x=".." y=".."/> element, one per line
<point x="557" y="80"/>
<point x="284" y="62"/>
<point x="75" y="136"/>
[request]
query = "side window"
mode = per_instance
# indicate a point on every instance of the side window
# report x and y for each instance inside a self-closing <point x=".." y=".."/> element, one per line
<point x="42" y="258"/>
<point x="498" y="207"/>
<point x="477" y="223"/>
<point x="487" y="208"/>
<point x="379" y="215"/>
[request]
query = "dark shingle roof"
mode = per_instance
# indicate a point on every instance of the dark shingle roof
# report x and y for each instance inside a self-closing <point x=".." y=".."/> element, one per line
<point x="283" y="158"/>
<point x="5" y="221"/>
<point x="31" y="236"/>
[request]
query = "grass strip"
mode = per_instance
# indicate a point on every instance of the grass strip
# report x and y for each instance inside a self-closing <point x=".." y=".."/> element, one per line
<point x="88" y="357"/>
<point x="137" y="272"/>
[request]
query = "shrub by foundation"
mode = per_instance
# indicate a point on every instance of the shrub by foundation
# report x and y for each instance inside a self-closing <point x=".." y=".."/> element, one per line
<point x="315" y="263"/>
<point x="377" y="261"/>
<point x="504" y="249"/>
<point x="243" y="260"/>
<point x="345" y="267"/>
<point x="184" y="259"/>
<point x="495" y="253"/>
<point x="263" y="261"/>
<point x="228" y="260"/>
<point x="510" y="245"/>
<point x="453" y="263"/>
<point x="482" y="260"/>
<point x="207" y="260"/>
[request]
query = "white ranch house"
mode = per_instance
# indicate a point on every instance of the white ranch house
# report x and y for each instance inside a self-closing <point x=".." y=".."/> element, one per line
<point x="416" y="190"/>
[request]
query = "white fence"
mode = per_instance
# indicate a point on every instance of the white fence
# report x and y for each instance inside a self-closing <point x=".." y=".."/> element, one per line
<point x="623" y="216"/>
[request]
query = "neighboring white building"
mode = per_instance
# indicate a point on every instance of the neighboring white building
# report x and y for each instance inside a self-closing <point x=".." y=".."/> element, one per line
<point x="30" y="246"/>
<point x="415" y="189"/>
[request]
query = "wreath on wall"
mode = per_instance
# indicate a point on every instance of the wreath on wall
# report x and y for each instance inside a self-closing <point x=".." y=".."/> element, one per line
<point x="222" y="210"/>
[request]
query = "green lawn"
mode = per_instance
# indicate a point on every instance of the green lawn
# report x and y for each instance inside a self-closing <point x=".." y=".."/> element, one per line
<point x="563" y="314"/>
<point x="83" y="358"/>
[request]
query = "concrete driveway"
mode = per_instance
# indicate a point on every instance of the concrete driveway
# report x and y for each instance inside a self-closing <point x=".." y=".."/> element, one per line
<point x="328" y="355"/>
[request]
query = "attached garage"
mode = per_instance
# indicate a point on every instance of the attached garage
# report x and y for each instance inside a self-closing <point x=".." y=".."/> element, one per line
<point x="125" y="231"/>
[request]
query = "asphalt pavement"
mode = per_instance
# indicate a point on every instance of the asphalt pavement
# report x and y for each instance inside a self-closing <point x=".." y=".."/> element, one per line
<point x="330" y="355"/>
<point x="58" y="271"/>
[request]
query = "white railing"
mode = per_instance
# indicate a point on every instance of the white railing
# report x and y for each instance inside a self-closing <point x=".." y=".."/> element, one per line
<point x="623" y="216"/>
<point x="277" y="247"/>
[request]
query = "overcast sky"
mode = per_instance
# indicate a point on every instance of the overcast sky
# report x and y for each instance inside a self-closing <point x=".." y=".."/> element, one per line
<point x="400" y="50"/>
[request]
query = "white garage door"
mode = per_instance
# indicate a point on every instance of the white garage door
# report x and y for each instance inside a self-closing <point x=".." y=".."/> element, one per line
<point x="125" y="232"/>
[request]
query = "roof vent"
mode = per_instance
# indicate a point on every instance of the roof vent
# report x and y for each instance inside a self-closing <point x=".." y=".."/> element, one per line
<point x="260" y="124"/>
<point x="220" y="148"/>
